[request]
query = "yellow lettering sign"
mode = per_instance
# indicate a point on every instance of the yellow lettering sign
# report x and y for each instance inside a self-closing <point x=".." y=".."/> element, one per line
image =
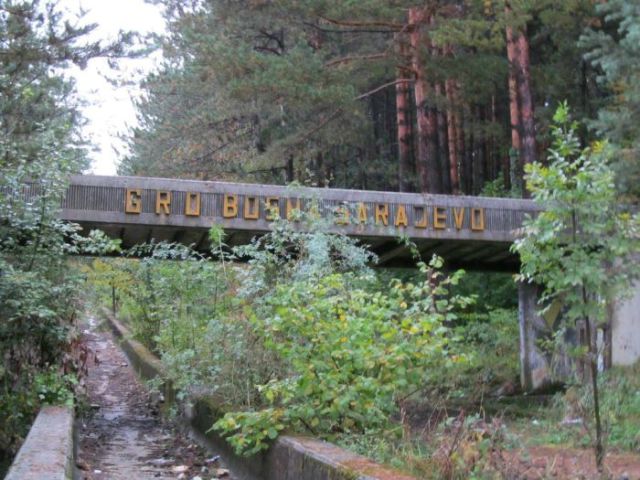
<point x="477" y="219"/>
<point x="342" y="215"/>
<point x="401" y="217"/>
<point x="458" y="217"/>
<point x="251" y="208"/>
<point x="230" y="206"/>
<point x="362" y="213"/>
<point x="313" y="209"/>
<point x="421" y="219"/>
<point x="292" y="207"/>
<point x="272" y="207"/>
<point x="133" y="201"/>
<point x="439" y="218"/>
<point x="192" y="204"/>
<point x="163" y="202"/>
<point x="382" y="214"/>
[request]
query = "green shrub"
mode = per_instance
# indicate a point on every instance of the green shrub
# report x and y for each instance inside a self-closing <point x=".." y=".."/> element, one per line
<point x="490" y="342"/>
<point x="188" y="313"/>
<point x="620" y="408"/>
<point x="355" y="354"/>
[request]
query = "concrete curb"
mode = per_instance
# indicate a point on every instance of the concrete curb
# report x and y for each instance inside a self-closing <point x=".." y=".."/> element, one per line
<point x="48" y="451"/>
<point x="145" y="363"/>
<point x="289" y="458"/>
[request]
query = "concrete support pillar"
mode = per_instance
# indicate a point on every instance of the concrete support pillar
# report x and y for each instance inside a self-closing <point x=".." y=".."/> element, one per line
<point x="625" y="330"/>
<point x="540" y="368"/>
<point x="619" y="344"/>
<point x="534" y="366"/>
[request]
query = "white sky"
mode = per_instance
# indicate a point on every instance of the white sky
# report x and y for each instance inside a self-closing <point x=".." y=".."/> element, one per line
<point x="109" y="109"/>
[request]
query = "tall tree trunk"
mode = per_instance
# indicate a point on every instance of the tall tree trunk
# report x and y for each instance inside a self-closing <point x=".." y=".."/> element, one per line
<point x="468" y="142"/>
<point x="443" y="145"/>
<point x="506" y="173"/>
<point x="493" y="167"/>
<point x="484" y="149"/>
<point x="452" y="137"/>
<point x="460" y="134"/>
<point x="426" y="158"/>
<point x="289" y="172"/>
<point x="319" y="170"/>
<point x="403" y="120"/>
<point x="514" y="112"/>
<point x="526" y="102"/>
<point x="478" y="164"/>
<point x="520" y="97"/>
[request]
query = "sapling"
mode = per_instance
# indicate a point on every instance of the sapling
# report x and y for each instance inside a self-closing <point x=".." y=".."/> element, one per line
<point x="582" y="248"/>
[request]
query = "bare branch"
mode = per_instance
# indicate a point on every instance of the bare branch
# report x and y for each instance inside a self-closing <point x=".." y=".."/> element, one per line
<point x="339" y="111"/>
<point x="345" y="23"/>
<point x="344" y="31"/>
<point x="339" y="61"/>
<point x="382" y="87"/>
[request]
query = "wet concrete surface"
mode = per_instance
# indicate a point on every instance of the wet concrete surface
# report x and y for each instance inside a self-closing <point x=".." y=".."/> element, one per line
<point x="121" y="434"/>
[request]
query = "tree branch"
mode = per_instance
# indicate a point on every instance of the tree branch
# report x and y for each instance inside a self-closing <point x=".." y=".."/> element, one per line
<point x="373" y="56"/>
<point x="390" y="25"/>
<point x="319" y="126"/>
<point x="267" y="49"/>
<point x="343" y="31"/>
<point x="340" y="111"/>
<point x="382" y="87"/>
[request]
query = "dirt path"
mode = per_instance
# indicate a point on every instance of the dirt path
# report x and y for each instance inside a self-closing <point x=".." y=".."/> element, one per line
<point x="122" y="436"/>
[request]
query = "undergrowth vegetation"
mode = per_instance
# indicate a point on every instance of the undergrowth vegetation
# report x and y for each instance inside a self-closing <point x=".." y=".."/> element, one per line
<point x="567" y="420"/>
<point x="296" y="332"/>
<point x="303" y="335"/>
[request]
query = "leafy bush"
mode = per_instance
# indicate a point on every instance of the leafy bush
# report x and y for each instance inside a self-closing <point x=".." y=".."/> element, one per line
<point x="355" y="354"/>
<point x="303" y="336"/>
<point x="583" y="246"/>
<point x="493" y="291"/>
<point x="52" y="388"/>
<point x="621" y="407"/>
<point x="620" y="410"/>
<point x="186" y="311"/>
<point x="40" y="147"/>
<point x="301" y="250"/>
<point x="489" y="341"/>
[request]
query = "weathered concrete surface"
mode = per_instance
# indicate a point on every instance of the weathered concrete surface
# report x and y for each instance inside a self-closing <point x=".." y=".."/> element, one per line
<point x="122" y="436"/>
<point x="540" y="369"/>
<point x="289" y="458"/>
<point x="625" y="330"/>
<point x="144" y="362"/>
<point x="47" y="452"/>
<point x="300" y="458"/>
<point x="535" y="372"/>
<point x="438" y="224"/>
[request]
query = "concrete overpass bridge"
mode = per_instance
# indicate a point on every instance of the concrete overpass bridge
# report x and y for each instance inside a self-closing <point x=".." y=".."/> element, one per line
<point x="469" y="232"/>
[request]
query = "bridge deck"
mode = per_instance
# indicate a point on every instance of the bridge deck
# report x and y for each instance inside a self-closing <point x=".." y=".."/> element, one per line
<point x="473" y="232"/>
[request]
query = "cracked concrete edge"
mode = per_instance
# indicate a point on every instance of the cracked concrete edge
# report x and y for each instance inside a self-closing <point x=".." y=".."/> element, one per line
<point x="48" y="450"/>
<point x="289" y="458"/>
<point x="145" y="363"/>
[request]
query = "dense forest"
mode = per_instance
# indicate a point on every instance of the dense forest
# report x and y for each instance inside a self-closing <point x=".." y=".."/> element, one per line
<point x="297" y="331"/>
<point x="440" y="96"/>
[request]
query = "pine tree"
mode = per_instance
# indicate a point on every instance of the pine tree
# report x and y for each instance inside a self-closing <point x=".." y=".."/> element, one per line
<point x="614" y="49"/>
<point x="358" y="94"/>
